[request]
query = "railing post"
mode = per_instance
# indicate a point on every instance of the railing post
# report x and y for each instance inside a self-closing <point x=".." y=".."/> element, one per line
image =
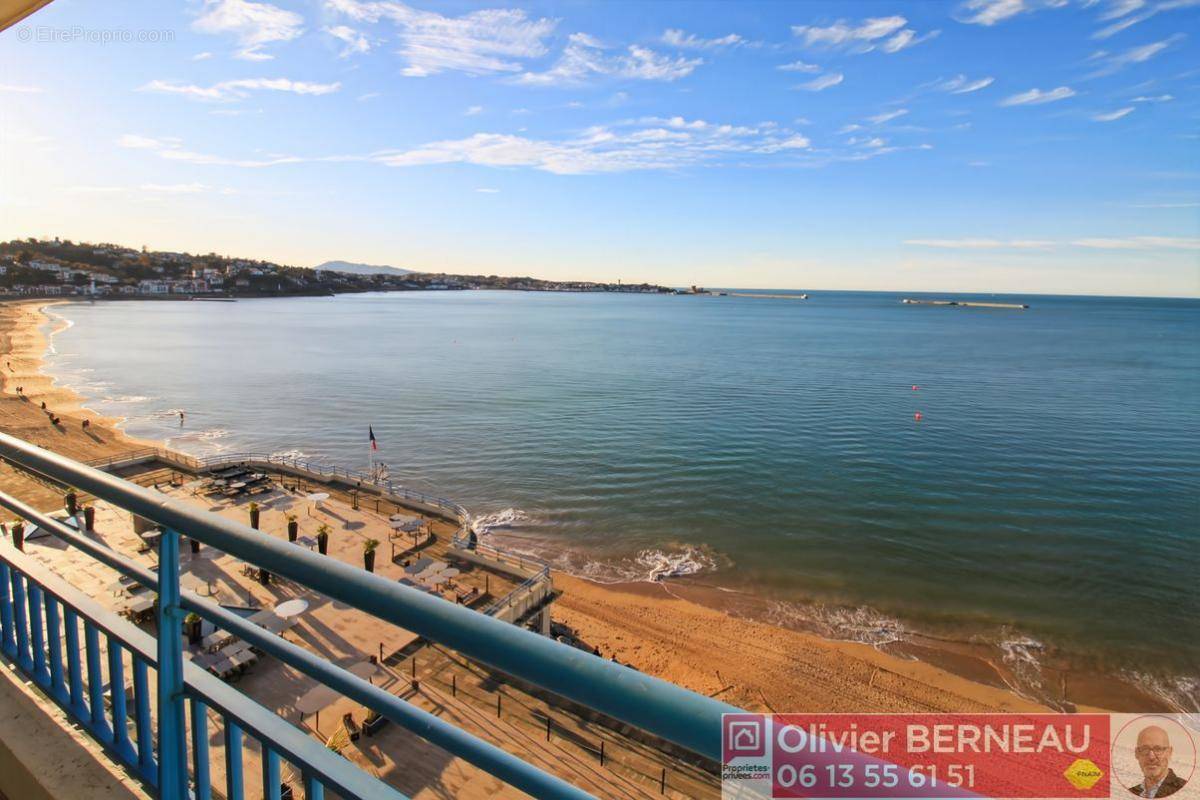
<point x="22" y="622"/>
<point x="200" y="767"/>
<point x="233" y="761"/>
<point x="8" y="636"/>
<point x="54" y="645"/>
<point x="116" y="691"/>
<point x="37" y="635"/>
<point x="172" y="741"/>
<point x="74" y="667"/>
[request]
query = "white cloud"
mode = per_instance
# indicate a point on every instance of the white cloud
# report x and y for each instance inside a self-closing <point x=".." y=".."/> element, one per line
<point x="1119" y="8"/>
<point x="355" y="42"/>
<point x="585" y="57"/>
<point x="842" y="32"/>
<point x="13" y="88"/>
<point x="905" y="39"/>
<point x="888" y="116"/>
<point x="1109" y="116"/>
<point x="1122" y="12"/>
<point x="644" y="144"/>
<point x="488" y="191"/>
<point x="238" y="89"/>
<point x="1158" y="98"/>
<point x="678" y="38"/>
<point x="822" y="83"/>
<point x="989" y="12"/>
<point x="205" y="56"/>
<point x="799" y="66"/>
<point x="1134" y="55"/>
<point x="362" y="98"/>
<point x="863" y="37"/>
<point x="255" y="25"/>
<point x="1035" y="97"/>
<point x="632" y="145"/>
<point x="959" y="84"/>
<point x="478" y="43"/>
<point x="473" y="111"/>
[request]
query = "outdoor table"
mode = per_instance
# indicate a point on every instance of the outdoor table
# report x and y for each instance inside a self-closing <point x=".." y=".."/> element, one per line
<point x="291" y="608"/>
<point x="307" y="541"/>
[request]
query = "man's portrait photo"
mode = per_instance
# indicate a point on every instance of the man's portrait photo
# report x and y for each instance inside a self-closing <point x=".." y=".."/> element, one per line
<point x="1153" y="753"/>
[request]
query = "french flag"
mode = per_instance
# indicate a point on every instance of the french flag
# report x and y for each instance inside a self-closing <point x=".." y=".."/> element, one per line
<point x="371" y="435"/>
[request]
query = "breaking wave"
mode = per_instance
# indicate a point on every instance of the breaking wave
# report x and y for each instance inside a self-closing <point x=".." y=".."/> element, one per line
<point x="690" y="561"/>
<point x="1022" y="656"/>
<point x="849" y="624"/>
<point x="647" y="566"/>
<point x="1180" y="692"/>
<point x="499" y="520"/>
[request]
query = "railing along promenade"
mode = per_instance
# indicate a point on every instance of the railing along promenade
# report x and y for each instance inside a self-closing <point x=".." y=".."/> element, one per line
<point x="52" y="633"/>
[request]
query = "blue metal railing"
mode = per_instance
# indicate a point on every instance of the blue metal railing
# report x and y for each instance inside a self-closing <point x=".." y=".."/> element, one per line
<point x="675" y="714"/>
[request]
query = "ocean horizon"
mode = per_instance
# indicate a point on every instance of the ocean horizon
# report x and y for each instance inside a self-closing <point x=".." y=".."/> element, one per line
<point x="759" y="445"/>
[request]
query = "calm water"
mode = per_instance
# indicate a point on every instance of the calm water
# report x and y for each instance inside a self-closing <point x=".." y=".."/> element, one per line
<point x="1050" y="494"/>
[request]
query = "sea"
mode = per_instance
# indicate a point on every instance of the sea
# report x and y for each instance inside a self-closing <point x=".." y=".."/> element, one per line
<point x="1027" y="479"/>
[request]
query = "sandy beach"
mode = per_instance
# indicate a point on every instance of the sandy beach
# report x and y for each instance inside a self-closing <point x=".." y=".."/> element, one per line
<point x="679" y="632"/>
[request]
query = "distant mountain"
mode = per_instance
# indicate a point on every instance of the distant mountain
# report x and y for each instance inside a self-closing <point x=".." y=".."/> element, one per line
<point x="362" y="269"/>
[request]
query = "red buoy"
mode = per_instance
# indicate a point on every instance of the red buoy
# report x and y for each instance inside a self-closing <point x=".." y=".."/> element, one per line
<point x="917" y="416"/>
<point x="915" y="387"/>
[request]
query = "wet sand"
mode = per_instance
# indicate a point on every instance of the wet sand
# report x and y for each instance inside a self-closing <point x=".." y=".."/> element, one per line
<point x="709" y="641"/>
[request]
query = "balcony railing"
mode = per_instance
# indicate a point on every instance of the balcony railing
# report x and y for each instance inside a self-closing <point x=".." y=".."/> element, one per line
<point x="53" y="634"/>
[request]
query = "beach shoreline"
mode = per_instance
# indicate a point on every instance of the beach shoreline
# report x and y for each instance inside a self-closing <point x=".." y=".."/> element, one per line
<point x="680" y="629"/>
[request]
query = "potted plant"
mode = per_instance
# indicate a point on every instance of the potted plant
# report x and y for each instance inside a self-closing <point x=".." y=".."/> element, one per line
<point x="293" y="527"/>
<point x="72" y="502"/>
<point x="18" y="533"/>
<point x="369" y="554"/>
<point x="191" y="626"/>
<point x="254" y="515"/>
<point x="195" y="543"/>
<point x="264" y="577"/>
<point x="89" y="518"/>
<point x="323" y="539"/>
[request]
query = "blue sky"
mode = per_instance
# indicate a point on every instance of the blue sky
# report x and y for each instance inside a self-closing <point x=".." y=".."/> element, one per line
<point x="988" y="145"/>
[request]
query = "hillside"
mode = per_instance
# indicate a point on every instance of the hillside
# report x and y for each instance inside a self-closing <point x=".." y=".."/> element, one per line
<point x="362" y="269"/>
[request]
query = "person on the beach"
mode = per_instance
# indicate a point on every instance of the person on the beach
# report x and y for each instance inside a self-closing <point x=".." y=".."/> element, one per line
<point x="181" y="419"/>
<point x="1153" y="754"/>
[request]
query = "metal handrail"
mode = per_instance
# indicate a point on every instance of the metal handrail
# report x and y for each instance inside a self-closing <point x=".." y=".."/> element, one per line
<point x="455" y="741"/>
<point x="661" y="708"/>
<point x="281" y="738"/>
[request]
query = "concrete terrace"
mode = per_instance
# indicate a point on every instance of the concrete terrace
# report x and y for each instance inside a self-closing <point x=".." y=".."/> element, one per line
<point x="602" y="757"/>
